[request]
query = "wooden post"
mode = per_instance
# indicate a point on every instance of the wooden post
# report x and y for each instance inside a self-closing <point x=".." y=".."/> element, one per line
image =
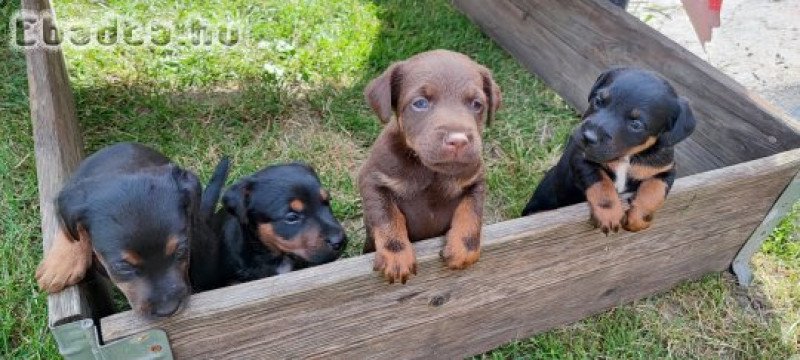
<point x="58" y="149"/>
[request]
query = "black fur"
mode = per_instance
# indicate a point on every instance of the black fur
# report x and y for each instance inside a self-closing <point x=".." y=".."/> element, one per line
<point x="264" y="198"/>
<point x="607" y="133"/>
<point x="129" y="197"/>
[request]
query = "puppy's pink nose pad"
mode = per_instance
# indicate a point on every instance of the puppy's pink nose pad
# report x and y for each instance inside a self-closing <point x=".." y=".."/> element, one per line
<point x="456" y="141"/>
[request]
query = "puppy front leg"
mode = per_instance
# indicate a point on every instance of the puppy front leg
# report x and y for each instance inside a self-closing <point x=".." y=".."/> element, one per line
<point x="606" y="207"/>
<point x="66" y="262"/>
<point x="648" y="199"/>
<point x="463" y="240"/>
<point x="386" y="229"/>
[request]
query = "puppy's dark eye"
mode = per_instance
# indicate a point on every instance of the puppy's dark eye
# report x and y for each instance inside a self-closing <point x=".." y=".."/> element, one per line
<point x="636" y="125"/>
<point x="125" y="270"/>
<point x="292" y="218"/>
<point x="598" y="101"/>
<point x="420" y="104"/>
<point x="476" y="105"/>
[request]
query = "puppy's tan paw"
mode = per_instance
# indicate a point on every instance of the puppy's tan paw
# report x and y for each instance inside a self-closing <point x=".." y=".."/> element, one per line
<point x="396" y="266"/>
<point x="65" y="264"/>
<point x="636" y="220"/>
<point x="608" y="219"/>
<point x="460" y="253"/>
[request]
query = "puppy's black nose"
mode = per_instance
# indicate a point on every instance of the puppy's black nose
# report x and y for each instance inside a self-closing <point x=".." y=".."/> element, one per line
<point x="589" y="137"/>
<point x="166" y="308"/>
<point x="337" y="240"/>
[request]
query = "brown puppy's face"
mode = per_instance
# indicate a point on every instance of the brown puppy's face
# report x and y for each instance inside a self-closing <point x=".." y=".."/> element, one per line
<point x="439" y="99"/>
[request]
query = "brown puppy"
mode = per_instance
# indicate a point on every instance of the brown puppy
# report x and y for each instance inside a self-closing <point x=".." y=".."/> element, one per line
<point x="424" y="175"/>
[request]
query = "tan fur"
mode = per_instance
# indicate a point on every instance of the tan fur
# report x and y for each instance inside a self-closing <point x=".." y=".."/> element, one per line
<point x="169" y="249"/>
<point x="648" y="199"/>
<point x="643" y="172"/>
<point x="464" y="233"/>
<point x="304" y="245"/>
<point x="133" y="290"/>
<point x="606" y="207"/>
<point x="396" y="185"/>
<point x="66" y="262"/>
<point x="647" y="144"/>
<point x="397" y="262"/>
<point x="297" y="205"/>
<point x="131" y="257"/>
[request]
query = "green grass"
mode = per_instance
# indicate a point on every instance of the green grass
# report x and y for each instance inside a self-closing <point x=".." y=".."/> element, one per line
<point x="291" y="89"/>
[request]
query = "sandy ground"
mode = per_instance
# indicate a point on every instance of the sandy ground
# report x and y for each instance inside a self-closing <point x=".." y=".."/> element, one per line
<point x="758" y="43"/>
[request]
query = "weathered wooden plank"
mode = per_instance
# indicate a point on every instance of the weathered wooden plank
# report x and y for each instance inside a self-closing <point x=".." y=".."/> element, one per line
<point x="535" y="273"/>
<point x="741" y="264"/>
<point x="58" y="148"/>
<point x="568" y="43"/>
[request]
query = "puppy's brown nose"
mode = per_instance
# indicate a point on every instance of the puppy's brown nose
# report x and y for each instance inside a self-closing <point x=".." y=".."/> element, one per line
<point x="456" y="141"/>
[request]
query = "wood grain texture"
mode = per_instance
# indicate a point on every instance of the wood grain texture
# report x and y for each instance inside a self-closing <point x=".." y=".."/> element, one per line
<point x="58" y="149"/>
<point x="783" y="205"/>
<point x="569" y="43"/>
<point x="535" y="273"/>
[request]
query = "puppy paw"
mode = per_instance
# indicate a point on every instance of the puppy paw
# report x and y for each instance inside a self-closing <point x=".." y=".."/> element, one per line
<point x="608" y="218"/>
<point x="460" y="253"/>
<point x="636" y="220"/>
<point x="64" y="265"/>
<point x="396" y="265"/>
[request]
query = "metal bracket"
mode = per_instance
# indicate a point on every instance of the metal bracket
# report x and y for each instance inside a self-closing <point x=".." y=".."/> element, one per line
<point x="741" y="264"/>
<point x="79" y="340"/>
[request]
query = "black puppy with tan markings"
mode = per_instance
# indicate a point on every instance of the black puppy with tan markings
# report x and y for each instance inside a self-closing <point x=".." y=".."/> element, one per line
<point x="143" y="219"/>
<point x="275" y="221"/>
<point x="424" y="176"/>
<point x="625" y="143"/>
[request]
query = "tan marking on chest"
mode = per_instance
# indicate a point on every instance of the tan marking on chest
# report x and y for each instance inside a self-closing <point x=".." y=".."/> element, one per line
<point x="624" y="170"/>
<point x="642" y="172"/>
<point x="621" y="173"/>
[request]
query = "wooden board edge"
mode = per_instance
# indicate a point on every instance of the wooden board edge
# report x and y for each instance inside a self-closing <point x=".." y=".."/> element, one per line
<point x="499" y="234"/>
<point x="741" y="264"/>
<point x="58" y="149"/>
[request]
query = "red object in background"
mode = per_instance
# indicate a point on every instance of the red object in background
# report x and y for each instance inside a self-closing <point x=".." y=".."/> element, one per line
<point x="704" y="15"/>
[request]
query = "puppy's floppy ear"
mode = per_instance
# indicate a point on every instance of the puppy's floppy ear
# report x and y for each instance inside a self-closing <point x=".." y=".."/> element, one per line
<point x="189" y="185"/>
<point x="236" y="198"/>
<point x="382" y="92"/>
<point x="679" y="127"/>
<point x="493" y="94"/>
<point x="72" y="209"/>
<point x="603" y="80"/>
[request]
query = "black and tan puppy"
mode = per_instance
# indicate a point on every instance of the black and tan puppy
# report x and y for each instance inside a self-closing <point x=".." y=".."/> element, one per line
<point x="424" y="175"/>
<point x="275" y="221"/>
<point x="140" y="217"/>
<point x="625" y="143"/>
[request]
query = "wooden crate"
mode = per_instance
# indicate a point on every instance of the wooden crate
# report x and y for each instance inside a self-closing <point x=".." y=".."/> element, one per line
<point x="535" y="273"/>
